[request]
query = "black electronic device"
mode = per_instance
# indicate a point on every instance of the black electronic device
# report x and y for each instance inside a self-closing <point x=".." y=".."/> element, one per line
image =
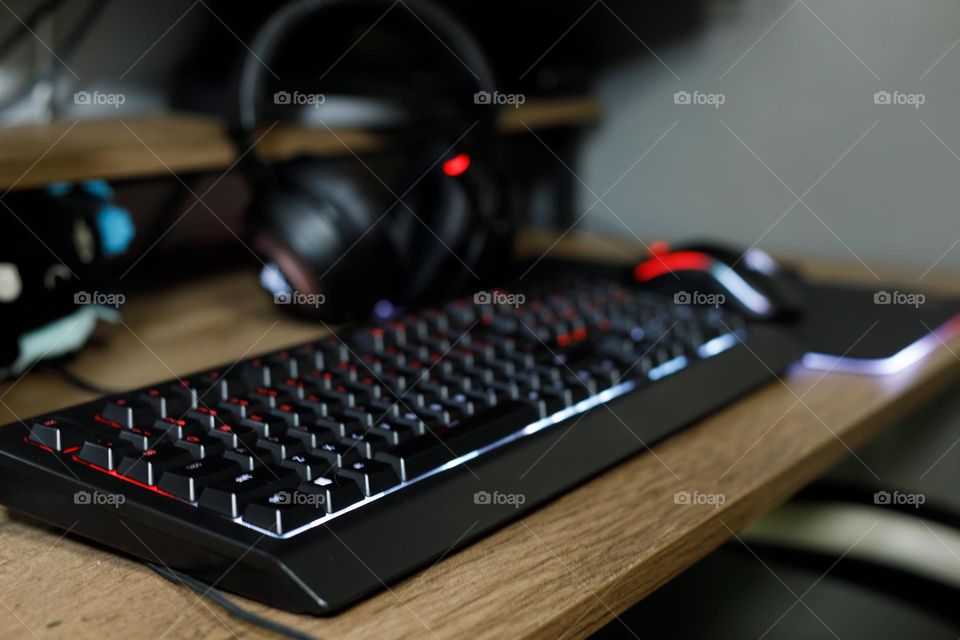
<point x="707" y="273"/>
<point x="310" y="477"/>
<point x="323" y="229"/>
<point x="56" y="249"/>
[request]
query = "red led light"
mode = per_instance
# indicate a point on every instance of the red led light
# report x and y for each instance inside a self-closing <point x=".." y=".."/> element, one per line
<point x="670" y="262"/>
<point x="123" y="477"/>
<point x="456" y="165"/>
<point x="100" y="418"/>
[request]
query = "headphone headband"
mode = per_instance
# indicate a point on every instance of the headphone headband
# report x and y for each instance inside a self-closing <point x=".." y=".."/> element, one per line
<point x="266" y="41"/>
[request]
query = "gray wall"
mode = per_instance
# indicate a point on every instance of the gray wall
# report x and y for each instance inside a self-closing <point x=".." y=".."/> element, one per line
<point x="799" y="99"/>
<point x="129" y="50"/>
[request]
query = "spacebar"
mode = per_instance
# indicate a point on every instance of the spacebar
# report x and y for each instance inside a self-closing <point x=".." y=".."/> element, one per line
<point x="429" y="451"/>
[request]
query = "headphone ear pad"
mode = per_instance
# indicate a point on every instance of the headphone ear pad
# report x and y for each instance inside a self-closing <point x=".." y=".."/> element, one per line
<point x="322" y="226"/>
<point x="433" y="257"/>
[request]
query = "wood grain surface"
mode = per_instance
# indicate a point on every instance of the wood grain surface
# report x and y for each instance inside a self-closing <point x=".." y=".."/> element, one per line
<point x="33" y="156"/>
<point x="562" y="572"/>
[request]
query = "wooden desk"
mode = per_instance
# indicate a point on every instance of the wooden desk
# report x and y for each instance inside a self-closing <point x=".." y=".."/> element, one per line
<point x="562" y="572"/>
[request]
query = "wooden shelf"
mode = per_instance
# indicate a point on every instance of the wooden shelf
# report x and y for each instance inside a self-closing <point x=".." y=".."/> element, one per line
<point x="115" y="149"/>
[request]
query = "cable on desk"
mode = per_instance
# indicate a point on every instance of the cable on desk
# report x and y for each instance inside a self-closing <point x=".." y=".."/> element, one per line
<point x="80" y="383"/>
<point x="231" y="607"/>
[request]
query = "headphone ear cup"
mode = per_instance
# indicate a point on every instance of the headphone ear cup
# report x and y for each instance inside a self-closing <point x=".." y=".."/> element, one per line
<point x="433" y="256"/>
<point x="322" y="226"/>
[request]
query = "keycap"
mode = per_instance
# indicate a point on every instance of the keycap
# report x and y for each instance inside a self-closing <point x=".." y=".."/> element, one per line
<point x="129" y="413"/>
<point x="296" y="388"/>
<point x="338" y="492"/>
<point x="57" y="433"/>
<point x="201" y="445"/>
<point x="231" y="496"/>
<point x="267" y="397"/>
<point x="265" y="425"/>
<point x="393" y="433"/>
<point x="366" y="443"/>
<point x="214" y="386"/>
<point x="287" y="363"/>
<point x="308" y="466"/>
<point x="186" y="481"/>
<point x="312" y="436"/>
<point x="427" y="452"/>
<point x="210" y="418"/>
<point x="340" y="426"/>
<point x="234" y="436"/>
<point x="176" y="429"/>
<point x="281" y="447"/>
<point x="543" y="402"/>
<point x="249" y="458"/>
<point x="337" y="453"/>
<point x="165" y="404"/>
<point x="294" y="414"/>
<point x="285" y="510"/>
<point x="105" y="452"/>
<point x="371" y="476"/>
<point x="410" y="420"/>
<point x="144" y="438"/>
<point x="240" y="407"/>
<point x="146" y="467"/>
<point x="320" y="405"/>
<point x="183" y="390"/>
<point x="259" y="373"/>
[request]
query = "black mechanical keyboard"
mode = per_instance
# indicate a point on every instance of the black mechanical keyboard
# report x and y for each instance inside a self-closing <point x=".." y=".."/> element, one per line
<point x="312" y="477"/>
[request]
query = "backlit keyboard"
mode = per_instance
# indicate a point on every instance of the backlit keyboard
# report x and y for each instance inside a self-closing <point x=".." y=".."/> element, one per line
<point x="310" y="477"/>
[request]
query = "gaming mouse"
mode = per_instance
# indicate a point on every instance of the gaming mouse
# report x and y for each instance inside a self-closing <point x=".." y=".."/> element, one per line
<point x="752" y="282"/>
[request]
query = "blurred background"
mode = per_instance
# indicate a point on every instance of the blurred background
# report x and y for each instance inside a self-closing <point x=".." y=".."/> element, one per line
<point x="798" y="117"/>
<point x="815" y="128"/>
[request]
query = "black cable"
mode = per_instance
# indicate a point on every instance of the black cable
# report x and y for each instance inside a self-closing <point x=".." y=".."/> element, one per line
<point x="228" y="605"/>
<point x="79" y="382"/>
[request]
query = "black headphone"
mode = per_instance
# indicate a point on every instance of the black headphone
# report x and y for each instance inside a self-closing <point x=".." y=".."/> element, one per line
<point x="324" y="231"/>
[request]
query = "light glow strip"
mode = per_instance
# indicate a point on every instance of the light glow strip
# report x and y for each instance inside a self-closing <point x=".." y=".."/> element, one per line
<point x="741" y="289"/>
<point x="716" y="345"/>
<point x="668" y="367"/>
<point x="906" y="357"/>
<point x="759" y="260"/>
